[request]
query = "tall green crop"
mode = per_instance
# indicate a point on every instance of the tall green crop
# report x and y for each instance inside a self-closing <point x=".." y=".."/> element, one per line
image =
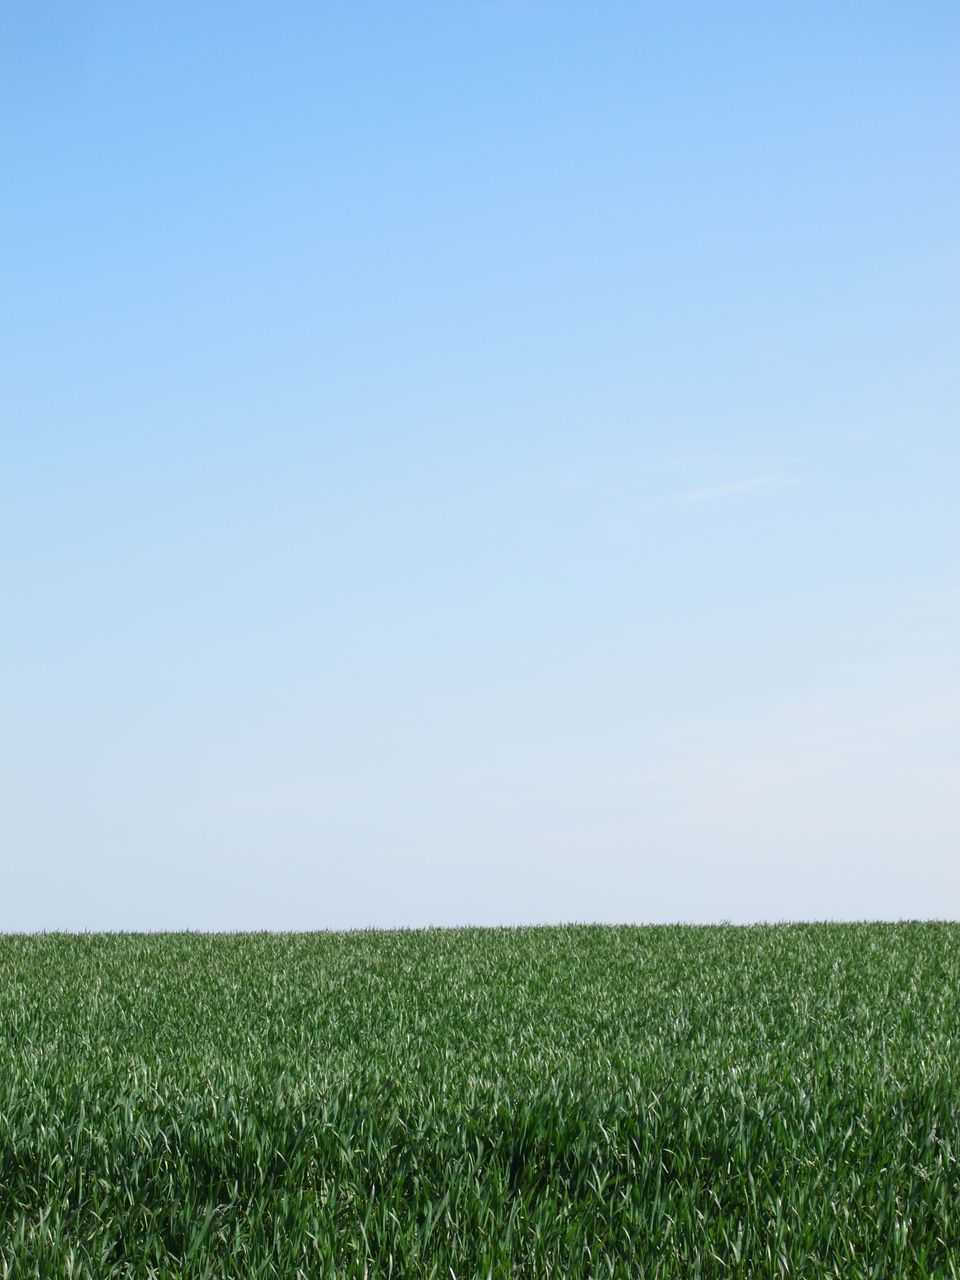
<point x="671" y="1102"/>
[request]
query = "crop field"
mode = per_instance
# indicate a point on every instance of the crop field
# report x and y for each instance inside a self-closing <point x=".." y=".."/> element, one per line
<point x="579" y="1101"/>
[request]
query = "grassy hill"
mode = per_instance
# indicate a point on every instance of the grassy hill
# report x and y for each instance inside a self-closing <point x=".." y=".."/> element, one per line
<point x="578" y="1101"/>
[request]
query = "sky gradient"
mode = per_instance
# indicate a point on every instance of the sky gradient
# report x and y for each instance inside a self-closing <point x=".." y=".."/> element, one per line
<point x="478" y="462"/>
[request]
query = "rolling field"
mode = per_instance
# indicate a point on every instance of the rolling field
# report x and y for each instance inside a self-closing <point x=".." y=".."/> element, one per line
<point x="567" y="1102"/>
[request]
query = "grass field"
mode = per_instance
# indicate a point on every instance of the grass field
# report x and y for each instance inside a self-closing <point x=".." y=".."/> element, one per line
<point x="566" y="1102"/>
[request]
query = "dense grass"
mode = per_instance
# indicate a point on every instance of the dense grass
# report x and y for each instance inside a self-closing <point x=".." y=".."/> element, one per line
<point x="569" y="1102"/>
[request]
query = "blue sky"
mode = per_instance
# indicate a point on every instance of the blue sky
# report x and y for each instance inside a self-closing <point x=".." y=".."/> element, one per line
<point x="486" y="462"/>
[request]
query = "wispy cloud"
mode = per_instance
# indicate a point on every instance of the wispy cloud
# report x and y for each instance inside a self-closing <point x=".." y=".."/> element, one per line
<point x="647" y="484"/>
<point x="735" y="488"/>
<point x="949" y="596"/>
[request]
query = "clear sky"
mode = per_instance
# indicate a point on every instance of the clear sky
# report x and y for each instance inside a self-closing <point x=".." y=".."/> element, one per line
<point x="478" y="462"/>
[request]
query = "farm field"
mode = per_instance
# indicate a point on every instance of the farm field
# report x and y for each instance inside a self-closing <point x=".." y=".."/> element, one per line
<point x="580" y="1101"/>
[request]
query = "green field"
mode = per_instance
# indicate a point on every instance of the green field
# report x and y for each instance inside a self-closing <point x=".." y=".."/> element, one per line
<point x="567" y="1102"/>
